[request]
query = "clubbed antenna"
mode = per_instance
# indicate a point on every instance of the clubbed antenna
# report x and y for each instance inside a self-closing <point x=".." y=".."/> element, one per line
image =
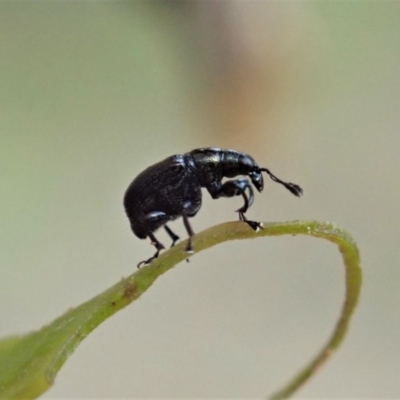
<point x="292" y="187"/>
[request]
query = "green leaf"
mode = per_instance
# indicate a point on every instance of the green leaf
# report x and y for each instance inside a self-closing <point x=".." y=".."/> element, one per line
<point x="30" y="363"/>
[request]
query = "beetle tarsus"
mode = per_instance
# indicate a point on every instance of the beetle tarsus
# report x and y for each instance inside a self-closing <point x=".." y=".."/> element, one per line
<point x="149" y="260"/>
<point x="256" y="226"/>
<point x="158" y="245"/>
<point x="189" y="247"/>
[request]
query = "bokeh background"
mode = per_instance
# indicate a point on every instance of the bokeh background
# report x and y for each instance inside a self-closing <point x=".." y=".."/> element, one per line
<point x="91" y="93"/>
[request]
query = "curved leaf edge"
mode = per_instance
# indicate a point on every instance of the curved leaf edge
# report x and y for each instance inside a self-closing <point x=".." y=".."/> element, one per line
<point x="30" y="363"/>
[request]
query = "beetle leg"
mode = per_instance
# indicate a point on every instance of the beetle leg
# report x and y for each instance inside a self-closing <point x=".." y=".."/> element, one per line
<point x="253" y="224"/>
<point x="233" y="188"/>
<point x="248" y="201"/>
<point x="174" y="237"/>
<point x="158" y="245"/>
<point x="189" y="247"/>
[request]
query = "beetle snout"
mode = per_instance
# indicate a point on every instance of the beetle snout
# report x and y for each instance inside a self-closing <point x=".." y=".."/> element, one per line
<point x="257" y="180"/>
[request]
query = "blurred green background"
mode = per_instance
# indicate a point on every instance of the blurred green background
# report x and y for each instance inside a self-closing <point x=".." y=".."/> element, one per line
<point x="91" y="93"/>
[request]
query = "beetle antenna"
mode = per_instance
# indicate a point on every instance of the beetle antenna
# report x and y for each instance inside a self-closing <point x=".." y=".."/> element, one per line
<point x="292" y="187"/>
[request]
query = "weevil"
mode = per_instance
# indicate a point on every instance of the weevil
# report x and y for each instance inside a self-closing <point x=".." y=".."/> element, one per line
<point x="171" y="189"/>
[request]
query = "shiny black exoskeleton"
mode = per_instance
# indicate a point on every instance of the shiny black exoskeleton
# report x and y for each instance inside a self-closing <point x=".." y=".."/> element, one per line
<point x="172" y="188"/>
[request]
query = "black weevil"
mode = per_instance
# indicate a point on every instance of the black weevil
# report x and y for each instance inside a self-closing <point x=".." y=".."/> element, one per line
<point x="172" y="188"/>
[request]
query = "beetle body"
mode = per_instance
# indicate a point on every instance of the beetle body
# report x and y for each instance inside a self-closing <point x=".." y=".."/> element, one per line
<point x="171" y="189"/>
<point x="161" y="193"/>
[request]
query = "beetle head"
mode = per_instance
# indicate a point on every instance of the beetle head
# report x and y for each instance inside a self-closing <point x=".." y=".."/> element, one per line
<point x="247" y="166"/>
<point x="257" y="178"/>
